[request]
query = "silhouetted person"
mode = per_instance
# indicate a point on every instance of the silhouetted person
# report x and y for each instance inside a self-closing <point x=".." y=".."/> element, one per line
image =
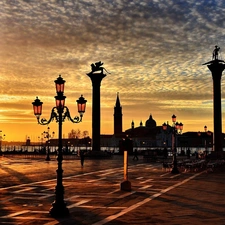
<point x="67" y="149"/>
<point x="196" y="155"/>
<point x="82" y="158"/>
<point x="215" y="52"/>
<point x="188" y="153"/>
<point x="165" y="153"/>
<point x="135" y="155"/>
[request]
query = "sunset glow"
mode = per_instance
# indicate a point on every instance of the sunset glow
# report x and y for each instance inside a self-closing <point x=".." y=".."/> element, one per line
<point x="154" y="51"/>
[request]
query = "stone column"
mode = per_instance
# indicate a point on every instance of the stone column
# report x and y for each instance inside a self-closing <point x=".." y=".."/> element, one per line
<point x="96" y="79"/>
<point x="216" y="67"/>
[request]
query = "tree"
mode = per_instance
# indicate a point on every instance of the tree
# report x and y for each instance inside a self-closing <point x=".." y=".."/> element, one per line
<point x="85" y="134"/>
<point x="74" y="134"/>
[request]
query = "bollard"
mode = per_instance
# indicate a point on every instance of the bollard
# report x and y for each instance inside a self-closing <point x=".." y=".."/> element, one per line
<point x="125" y="185"/>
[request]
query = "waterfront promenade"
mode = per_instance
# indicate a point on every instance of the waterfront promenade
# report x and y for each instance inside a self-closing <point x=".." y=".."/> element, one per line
<point x="94" y="197"/>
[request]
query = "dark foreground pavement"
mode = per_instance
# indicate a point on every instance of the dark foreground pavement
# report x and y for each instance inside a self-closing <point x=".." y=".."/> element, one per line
<point x="93" y="193"/>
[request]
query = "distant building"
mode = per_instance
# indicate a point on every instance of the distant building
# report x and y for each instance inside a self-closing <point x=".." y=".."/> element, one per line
<point x="144" y="136"/>
<point x="149" y="135"/>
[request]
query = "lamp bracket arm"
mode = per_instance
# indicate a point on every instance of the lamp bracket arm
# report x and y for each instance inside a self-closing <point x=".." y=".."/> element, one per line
<point x="76" y="119"/>
<point x="53" y="115"/>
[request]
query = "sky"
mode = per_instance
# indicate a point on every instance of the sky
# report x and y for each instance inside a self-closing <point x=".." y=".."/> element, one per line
<point x="153" y="49"/>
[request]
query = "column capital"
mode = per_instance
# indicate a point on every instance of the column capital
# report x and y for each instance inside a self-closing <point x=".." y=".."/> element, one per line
<point x="96" y="78"/>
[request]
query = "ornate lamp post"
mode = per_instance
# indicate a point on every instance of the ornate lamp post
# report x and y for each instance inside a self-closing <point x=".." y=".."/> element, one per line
<point x="60" y="112"/>
<point x="175" y="129"/>
<point x="2" y="137"/>
<point x="47" y="135"/>
<point x="206" y="136"/>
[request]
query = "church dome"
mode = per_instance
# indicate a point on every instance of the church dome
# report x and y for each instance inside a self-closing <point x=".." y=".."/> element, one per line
<point x="150" y="122"/>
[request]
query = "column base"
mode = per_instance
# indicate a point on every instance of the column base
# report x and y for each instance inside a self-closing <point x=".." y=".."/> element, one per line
<point x="98" y="155"/>
<point x="217" y="155"/>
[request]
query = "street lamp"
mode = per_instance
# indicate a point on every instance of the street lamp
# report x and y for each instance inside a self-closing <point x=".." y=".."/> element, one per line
<point x="175" y="129"/>
<point x="2" y="137"/>
<point x="60" y="112"/>
<point x="47" y="135"/>
<point x="164" y="127"/>
<point x="206" y="135"/>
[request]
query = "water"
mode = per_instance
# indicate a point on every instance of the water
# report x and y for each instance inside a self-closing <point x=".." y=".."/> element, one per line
<point x="75" y="149"/>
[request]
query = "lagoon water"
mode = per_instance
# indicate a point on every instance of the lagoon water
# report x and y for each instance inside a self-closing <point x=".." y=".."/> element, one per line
<point x="75" y="149"/>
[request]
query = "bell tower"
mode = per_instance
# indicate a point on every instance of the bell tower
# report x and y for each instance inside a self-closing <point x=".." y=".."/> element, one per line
<point x="118" y="122"/>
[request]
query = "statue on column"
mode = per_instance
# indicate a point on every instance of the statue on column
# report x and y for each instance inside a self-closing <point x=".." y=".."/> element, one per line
<point x="215" y="57"/>
<point x="97" y="67"/>
<point x="215" y="53"/>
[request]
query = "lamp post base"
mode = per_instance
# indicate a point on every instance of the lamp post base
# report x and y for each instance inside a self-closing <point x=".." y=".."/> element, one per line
<point x="175" y="170"/>
<point x="59" y="210"/>
<point x="47" y="158"/>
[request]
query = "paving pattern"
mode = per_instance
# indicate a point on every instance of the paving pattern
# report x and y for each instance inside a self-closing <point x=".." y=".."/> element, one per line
<point x="92" y="193"/>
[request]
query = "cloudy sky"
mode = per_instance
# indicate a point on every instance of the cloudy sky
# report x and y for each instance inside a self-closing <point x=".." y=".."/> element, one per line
<point x="154" y="50"/>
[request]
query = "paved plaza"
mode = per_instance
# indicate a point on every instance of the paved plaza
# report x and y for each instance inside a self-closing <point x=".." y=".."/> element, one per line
<point x="93" y="194"/>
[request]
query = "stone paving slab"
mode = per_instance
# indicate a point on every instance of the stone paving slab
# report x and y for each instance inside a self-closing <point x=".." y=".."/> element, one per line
<point x="93" y="193"/>
<point x="199" y="201"/>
